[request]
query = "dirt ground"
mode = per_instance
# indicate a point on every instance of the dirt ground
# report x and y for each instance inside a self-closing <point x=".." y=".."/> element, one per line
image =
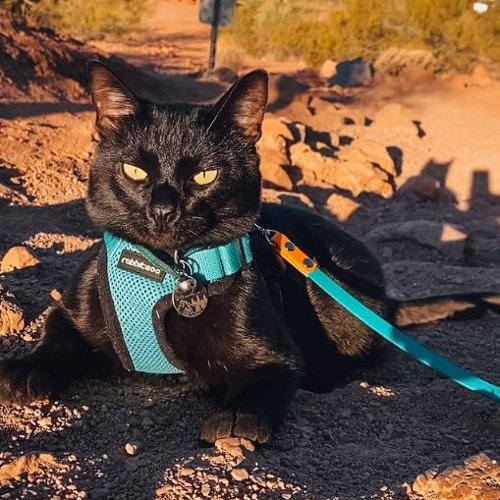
<point x="430" y="211"/>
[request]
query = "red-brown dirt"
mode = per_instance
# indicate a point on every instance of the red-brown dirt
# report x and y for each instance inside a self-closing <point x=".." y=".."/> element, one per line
<point x="410" y="166"/>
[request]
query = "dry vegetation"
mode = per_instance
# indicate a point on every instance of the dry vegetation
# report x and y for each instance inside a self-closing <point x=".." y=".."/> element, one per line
<point x="83" y="18"/>
<point x="456" y="35"/>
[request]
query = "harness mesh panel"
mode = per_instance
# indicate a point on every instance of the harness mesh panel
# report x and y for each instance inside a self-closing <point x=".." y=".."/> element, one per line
<point x="135" y="310"/>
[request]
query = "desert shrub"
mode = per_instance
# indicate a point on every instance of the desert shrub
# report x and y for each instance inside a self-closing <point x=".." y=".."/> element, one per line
<point x="84" y="18"/>
<point x="339" y="29"/>
<point x="17" y="6"/>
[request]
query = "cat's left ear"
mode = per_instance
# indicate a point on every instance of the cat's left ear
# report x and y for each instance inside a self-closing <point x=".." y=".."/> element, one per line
<point x="244" y="104"/>
<point x="112" y="98"/>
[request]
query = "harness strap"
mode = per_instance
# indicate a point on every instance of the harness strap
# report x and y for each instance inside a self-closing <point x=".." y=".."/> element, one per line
<point x="309" y="268"/>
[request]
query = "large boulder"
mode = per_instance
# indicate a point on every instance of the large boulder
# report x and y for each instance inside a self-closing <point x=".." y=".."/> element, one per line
<point x="353" y="73"/>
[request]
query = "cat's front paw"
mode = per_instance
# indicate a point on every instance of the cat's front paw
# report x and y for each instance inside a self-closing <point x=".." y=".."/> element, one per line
<point x="226" y="424"/>
<point x="21" y="383"/>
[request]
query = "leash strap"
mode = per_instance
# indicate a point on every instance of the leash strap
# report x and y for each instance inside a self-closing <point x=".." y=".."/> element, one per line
<point x="309" y="268"/>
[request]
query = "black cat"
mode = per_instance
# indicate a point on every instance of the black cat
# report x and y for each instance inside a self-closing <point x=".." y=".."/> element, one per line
<point x="173" y="177"/>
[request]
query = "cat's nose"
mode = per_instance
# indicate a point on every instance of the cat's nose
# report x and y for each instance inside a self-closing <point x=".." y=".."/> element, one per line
<point x="162" y="213"/>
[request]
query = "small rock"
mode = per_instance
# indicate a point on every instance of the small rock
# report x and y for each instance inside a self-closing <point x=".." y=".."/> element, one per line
<point x="231" y="446"/>
<point x="55" y="295"/>
<point x="273" y="126"/>
<point x="17" y="258"/>
<point x="247" y="444"/>
<point x="328" y="69"/>
<point x="273" y="153"/>
<point x="423" y="186"/>
<point x="275" y="174"/>
<point x="11" y="313"/>
<point x="341" y="207"/>
<point x="372" y="151"/>
<point x="239" y="474"/>
<point x="354" y="176"/>
<point x="361" y="177"/>
<point x="133" y="448"/>
<point x="45" y="422"/>
<point x="186" y="471"/>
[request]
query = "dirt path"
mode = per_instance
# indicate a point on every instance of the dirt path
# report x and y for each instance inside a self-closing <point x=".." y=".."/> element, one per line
<point x="362" y="441"/>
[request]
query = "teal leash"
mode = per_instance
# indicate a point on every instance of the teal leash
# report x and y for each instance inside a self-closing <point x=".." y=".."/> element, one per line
<point x="309" y="268"/>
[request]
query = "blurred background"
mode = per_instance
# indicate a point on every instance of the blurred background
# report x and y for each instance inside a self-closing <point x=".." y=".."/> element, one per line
<point x="457" y="33"/>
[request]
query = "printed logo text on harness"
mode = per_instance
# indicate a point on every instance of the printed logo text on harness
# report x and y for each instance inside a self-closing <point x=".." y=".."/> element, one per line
<point x="135" y="262"/>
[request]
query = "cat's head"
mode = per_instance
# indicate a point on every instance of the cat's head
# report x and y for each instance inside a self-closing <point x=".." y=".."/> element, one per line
<point x="175" y="176"/>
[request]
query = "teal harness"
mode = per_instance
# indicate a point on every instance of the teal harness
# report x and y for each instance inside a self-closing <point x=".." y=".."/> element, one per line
<point x="139" y="286"/>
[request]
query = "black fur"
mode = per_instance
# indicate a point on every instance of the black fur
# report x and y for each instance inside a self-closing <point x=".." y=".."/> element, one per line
<point x="271" y="332"/>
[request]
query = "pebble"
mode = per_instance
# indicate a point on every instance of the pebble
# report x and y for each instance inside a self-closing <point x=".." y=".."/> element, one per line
<point x="239" y="474"/>
<point x="186" y="471"/>
<point x="132" y="448"/>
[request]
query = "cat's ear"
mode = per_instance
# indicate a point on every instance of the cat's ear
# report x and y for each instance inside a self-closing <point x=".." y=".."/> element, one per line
<point x="112" y="98"/>
<point x="244" y="104"/>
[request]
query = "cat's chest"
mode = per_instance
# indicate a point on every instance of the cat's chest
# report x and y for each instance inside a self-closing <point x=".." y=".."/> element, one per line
<point x="220" y="341"/>
<point x="212" y="341"/>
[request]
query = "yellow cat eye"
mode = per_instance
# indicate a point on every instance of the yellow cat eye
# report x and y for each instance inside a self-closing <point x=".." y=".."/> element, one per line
<point x="206" y="177"/>
<point x="134" y="173"/>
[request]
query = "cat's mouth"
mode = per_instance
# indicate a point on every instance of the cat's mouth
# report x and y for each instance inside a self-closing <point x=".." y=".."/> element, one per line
<point x="175" y="234"/>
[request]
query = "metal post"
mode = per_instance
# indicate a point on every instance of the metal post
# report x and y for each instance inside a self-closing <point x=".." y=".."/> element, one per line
<point x="213" y="39"/>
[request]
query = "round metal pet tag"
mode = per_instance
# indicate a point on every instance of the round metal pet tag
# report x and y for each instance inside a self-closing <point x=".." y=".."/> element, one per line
<point x="187" y="300"/>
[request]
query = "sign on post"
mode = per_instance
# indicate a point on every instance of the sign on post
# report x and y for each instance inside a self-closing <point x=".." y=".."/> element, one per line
<point x="217" y="13"/>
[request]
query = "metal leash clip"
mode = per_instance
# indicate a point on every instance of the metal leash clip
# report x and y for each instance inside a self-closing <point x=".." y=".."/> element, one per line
<point x="267" y="233"/>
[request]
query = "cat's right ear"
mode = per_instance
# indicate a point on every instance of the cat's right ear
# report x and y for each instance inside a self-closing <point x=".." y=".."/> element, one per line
<point x="112" y="98"/>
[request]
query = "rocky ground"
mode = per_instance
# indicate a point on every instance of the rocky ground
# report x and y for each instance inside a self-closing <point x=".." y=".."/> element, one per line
<point x="410" y="165"/>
